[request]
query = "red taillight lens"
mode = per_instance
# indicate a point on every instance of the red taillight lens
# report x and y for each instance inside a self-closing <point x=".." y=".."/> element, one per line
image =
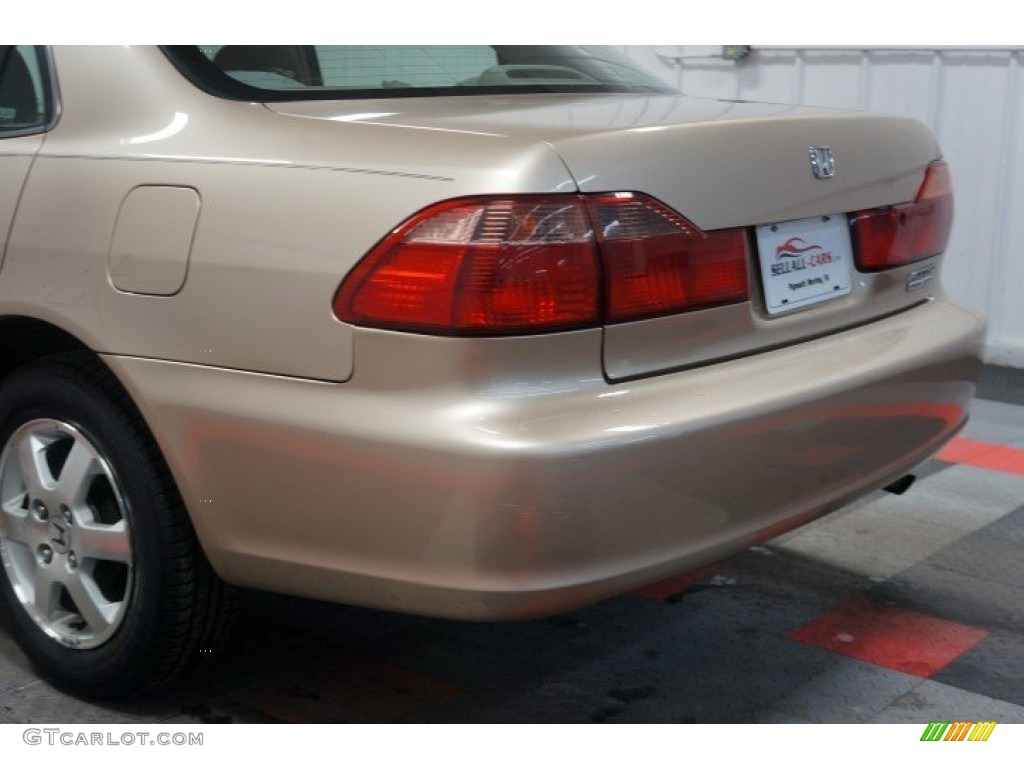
<point x="900" y="234"/>
<point x="657" y="263"/>
<point x="480" y="266"/>
<point x="491" y="266"/>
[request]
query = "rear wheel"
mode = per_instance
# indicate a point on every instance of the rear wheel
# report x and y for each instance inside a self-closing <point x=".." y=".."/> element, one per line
<point x="103" y="582"/>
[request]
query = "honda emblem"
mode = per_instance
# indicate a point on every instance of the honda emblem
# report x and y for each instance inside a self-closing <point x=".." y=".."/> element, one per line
<point x="823" y="162"/>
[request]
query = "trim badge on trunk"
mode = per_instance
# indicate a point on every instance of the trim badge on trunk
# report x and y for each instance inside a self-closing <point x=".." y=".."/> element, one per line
<point x="823" y="162"/>
<point x="919" y="278"/>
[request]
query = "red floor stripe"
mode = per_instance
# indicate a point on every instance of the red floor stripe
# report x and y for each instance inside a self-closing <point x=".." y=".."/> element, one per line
<point x="961" y="450"/>
<point x="662" y="590"/>
<point x="890" y="637"/>
<point x="1001" y="458"/>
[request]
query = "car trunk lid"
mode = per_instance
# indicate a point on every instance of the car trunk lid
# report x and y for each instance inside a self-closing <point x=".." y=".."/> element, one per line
<point x="758" y="173"/>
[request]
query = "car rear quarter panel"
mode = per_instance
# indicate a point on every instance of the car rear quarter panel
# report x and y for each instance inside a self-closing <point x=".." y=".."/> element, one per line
<point x="287" y="207"/>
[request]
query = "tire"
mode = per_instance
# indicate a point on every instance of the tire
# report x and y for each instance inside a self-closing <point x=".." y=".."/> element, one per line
<point x="103" y="583"/>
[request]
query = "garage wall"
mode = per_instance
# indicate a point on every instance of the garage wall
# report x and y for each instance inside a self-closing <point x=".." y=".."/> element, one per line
<point x="973" y="99"/>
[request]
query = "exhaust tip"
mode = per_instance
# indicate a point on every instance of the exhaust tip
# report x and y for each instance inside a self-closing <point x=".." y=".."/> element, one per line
<point x="902" y="485"/>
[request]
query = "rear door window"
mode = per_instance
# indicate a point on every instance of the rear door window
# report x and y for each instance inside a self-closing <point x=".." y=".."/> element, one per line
<point x="25" y="94"/>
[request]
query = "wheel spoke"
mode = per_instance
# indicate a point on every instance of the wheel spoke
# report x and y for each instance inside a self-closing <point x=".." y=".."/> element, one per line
<point x="103" y="542"/>
<point x="12" y="521"/>
<point x="79" y="468"/>
<point x="96" y="611"/>
<point x="29" y="463"/>
<point x="46" y="590"/>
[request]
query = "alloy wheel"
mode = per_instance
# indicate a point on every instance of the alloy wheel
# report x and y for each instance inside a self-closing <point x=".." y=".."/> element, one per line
<point x="65" y="536"/>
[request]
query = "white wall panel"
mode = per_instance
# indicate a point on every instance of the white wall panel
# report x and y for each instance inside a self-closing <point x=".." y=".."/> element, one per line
<point x="972" y="99"/>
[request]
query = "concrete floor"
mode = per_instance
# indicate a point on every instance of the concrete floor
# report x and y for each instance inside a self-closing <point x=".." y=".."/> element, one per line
<point x="896" y="609"/>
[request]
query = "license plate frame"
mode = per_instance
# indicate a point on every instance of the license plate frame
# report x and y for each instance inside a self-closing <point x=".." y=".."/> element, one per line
<point x="805" y="262"/>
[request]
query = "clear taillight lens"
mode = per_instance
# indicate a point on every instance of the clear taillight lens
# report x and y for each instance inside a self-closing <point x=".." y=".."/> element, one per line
<point x="901" y="234"/>
<point x="533" y="263"/>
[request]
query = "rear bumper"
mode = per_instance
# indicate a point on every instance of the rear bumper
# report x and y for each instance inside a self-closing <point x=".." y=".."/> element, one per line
<point x="498" y="501"/>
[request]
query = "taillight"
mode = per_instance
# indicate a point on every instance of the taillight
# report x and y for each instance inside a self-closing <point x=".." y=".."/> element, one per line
<point x="480" y="266"/>
<point x="658" y="263"/>
<point x="900" y="234"/>
<point x="532" y="263"/>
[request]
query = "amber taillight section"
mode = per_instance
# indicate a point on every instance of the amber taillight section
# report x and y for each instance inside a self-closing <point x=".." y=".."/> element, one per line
<point x="541" y="263"/>
<point x="900" y="234"/>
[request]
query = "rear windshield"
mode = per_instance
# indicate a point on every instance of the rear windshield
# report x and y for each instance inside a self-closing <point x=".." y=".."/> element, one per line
<point x="299" y="72"/>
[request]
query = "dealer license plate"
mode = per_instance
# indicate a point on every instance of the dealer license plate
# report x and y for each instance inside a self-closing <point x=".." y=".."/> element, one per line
<point x="804" y="262"/>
